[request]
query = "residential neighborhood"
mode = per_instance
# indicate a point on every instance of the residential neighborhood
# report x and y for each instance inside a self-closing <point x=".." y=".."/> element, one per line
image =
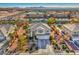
<point x="39" y="31"/>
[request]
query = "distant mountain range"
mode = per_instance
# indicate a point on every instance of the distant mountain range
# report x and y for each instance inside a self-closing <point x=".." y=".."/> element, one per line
<point x="45" y="8"/>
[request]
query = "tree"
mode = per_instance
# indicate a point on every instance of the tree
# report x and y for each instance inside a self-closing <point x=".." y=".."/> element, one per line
<point x="10" y="34"/>
<point x="67" y="50"/>
<point x="51" y="21"/>
<point x="30" y="19"/>
<point x="64" y="47"/>
<point x="25" y="27"/>
<point x="22" y="43"/>
<point x="23" y="40"/>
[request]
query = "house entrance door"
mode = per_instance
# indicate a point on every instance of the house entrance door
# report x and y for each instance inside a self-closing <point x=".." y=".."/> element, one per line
<point x="42" y="43"/>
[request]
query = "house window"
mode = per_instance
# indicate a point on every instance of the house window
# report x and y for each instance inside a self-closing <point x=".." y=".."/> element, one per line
<point x="40" y="31"/>
<point x="47" y="31"/>
<point x="75" y="34"/>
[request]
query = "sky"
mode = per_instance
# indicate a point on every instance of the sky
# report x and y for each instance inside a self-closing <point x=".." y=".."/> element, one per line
<point x="23" y="5"/>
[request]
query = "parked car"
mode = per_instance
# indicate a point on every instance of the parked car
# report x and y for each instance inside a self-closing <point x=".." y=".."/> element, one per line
<point x="2" y="37"/>
<point x="1" y="51"/>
